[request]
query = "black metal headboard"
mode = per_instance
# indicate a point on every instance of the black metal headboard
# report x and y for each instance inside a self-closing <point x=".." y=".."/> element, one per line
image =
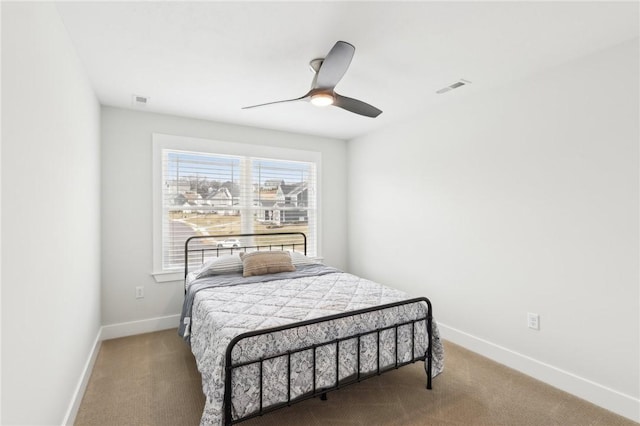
<point x="214" y="245"/>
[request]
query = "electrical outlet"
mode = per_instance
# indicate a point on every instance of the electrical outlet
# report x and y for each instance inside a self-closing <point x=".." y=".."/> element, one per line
<point x="533" y="321"/>
<point x="139" y="292"/>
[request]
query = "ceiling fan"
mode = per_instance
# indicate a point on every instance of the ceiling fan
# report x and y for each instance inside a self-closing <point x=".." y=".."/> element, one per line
<point x="328" y="72"/>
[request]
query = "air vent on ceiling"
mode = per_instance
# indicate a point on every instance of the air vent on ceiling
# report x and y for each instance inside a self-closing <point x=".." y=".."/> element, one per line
<point x="455" y="85"/>
<point x="139" y="101"/>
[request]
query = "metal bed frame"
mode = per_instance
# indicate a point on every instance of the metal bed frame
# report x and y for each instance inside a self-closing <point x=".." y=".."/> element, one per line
<point x="322" y="392"/>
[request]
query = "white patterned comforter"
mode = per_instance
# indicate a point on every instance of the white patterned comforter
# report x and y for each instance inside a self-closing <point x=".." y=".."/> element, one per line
<point x="221" y="313"/>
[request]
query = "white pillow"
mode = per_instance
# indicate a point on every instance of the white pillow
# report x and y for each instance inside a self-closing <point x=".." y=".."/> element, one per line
<point x="227" y="264"/>
<point x="300" y="259"/>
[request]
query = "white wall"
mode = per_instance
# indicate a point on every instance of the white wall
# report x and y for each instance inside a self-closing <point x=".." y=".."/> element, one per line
<point x="50" y="217"/>
<point x="127" y="210"/>
<point x="520" y="199"/>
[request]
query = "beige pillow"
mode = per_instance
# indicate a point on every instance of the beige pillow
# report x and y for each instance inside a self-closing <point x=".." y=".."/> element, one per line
<point x="266" y="262"/>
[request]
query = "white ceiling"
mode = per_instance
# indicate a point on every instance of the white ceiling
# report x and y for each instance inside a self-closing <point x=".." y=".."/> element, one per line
<point x="207" y="60"/>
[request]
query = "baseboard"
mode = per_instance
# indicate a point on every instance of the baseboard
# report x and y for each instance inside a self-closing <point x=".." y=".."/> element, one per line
<point x="607" y="398"/>
<point x="76" y="399"/>
<point x="131" y="328"/>
<point x="107" y="332"/>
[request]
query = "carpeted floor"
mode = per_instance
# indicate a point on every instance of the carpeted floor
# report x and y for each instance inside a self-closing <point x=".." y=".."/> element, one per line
<point x="152" y="379"/>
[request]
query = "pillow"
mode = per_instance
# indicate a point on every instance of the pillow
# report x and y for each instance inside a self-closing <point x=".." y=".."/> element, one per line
<point x="300" y="259"/>
<point x="227" y="264"/>
<point x="266" y="262"/>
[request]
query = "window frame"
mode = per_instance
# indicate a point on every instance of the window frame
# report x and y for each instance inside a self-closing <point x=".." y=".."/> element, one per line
<point x="161" y="142"/>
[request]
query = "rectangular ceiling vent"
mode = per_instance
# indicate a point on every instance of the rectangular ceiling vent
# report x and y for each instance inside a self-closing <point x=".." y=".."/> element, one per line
<point x="455" y="85"/>
<point x="139" y="101"/>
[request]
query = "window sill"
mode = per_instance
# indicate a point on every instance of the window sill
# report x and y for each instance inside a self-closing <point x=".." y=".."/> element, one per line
<point x="165" y="277"/>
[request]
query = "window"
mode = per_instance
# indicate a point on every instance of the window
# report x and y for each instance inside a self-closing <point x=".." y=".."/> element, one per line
<point x="217" y="188"/>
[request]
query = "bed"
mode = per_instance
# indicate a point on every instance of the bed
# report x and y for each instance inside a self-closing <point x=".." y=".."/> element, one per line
<point x="268" y="340"/>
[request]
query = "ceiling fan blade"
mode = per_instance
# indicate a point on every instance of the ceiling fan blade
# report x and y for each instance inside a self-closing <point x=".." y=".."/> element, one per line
<point x="356" y="106"/>
<point x="277" y="102"/>
<point x="334" y="65"/>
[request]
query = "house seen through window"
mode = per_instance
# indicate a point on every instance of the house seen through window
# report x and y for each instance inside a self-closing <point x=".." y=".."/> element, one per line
<point x="218" y="195"/>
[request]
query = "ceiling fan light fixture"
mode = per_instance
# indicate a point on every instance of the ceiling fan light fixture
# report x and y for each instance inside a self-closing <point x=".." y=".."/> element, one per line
<point x="322" y="99"/>
<point x="328" y="72"/>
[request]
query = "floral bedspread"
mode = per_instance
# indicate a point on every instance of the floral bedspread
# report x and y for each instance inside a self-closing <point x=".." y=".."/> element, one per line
<point x="223" y="312"/>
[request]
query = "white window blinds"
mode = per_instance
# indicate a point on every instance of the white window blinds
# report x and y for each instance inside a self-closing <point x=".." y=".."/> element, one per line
<point x="218" y="195"/>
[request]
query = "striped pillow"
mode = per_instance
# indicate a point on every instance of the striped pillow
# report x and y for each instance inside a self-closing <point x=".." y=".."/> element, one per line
<point x="266" y="262"/>
<point x="228" y="264"/>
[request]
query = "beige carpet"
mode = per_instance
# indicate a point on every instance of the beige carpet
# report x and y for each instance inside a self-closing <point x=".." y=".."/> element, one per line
<point x="152" y="379"/>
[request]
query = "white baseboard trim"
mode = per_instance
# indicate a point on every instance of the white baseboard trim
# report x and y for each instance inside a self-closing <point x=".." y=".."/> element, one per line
<point x="107" y="332"/>
<point x="76" y="399"/>
<point x="131" y="328"/>
<point x="607" y="398"/>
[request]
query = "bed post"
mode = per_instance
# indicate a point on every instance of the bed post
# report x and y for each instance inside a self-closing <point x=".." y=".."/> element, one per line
<point x="430" y="337"/>
<point x="227" y="384"/>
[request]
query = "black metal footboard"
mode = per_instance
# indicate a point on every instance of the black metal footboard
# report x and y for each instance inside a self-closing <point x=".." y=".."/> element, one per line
<point x="230" y="366"/>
